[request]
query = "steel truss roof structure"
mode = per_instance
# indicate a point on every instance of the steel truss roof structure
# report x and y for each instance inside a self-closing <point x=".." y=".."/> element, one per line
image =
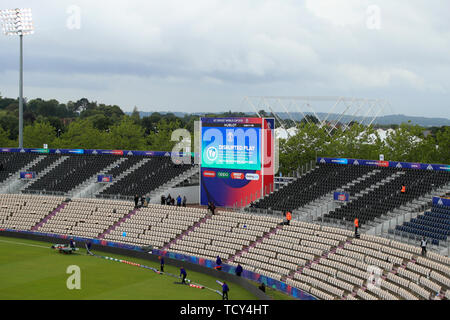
<point x="342" y="111"/>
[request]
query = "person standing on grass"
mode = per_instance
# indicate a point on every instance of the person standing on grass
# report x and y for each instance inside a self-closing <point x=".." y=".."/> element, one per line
<point x="179" y="201"/>
<point x="184" y="201"/>
<point x="88" y="246"/>
<point x="183" y="275"/>
<point x="225" y="290"/>
<point x="161" y="261"/>
<point x="239" y="270"/>
<point x="72" y="243"/>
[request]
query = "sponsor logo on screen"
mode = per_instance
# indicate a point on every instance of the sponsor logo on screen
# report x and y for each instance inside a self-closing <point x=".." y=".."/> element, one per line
<point x="209" y="174"/>
<point x="212" y="153"/>
<point x="106" y="179"/>
<point x="252" y="176"/>
<point x="237" y="175"/>
<point x="224" y="175"/>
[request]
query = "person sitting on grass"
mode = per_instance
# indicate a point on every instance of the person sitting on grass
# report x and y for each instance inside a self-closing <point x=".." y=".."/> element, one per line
<point x="262" y="287"/>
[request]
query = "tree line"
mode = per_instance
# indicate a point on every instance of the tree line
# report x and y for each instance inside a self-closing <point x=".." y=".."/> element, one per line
<point x="90" y="125"/>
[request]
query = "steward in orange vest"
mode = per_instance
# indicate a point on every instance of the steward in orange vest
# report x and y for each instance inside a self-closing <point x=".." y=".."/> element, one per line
<point x="403" y="189"/>
<point x="288" y="217"/>
<point x="356" y="226"/>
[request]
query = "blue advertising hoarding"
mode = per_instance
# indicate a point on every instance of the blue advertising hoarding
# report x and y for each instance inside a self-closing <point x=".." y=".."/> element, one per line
<point x="95" y="152"/>
<point x="27" y="175"/>
<point x="341" y="196"/>
<point x="389" y="164"/>
<point x="104" y="178"/>
<point x="441" y="201"/>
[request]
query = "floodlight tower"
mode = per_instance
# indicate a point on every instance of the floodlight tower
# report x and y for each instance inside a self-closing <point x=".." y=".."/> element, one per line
<point x="18" y="22"/>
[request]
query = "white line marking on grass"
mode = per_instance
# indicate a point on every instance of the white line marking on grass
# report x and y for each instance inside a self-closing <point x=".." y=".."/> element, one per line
<point x="25" y="244"/>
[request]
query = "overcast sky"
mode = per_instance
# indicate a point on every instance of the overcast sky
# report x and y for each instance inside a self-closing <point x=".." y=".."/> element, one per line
<point x="207" y="55"/>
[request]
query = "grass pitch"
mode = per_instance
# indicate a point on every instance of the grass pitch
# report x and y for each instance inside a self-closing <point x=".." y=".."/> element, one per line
<point x="31" y="270"/>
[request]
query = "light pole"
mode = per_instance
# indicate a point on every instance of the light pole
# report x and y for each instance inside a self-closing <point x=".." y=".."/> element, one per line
<point x="18" y="22"/>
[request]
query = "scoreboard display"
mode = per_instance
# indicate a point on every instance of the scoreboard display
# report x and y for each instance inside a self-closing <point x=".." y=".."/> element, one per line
<point x="232" y="169"/>
<point x="231" y="143"/>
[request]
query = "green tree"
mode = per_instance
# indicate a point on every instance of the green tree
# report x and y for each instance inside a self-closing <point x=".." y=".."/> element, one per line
<point x="127" y="135"/>
<point x="9" y="123"/>
<point x="443" y="145"/>
<point x="408" y="144"/>
<point x="135" y="116"/>
<point x="101" y="122"/>
<point x="82" y="134"/>
<point x="302" y="148"/>
<point x="5" y="141"/>
<point x="160" y="140"/>
<point x="38" y="134"/>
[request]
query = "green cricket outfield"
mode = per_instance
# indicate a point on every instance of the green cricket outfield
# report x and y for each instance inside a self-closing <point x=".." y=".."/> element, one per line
<point x="32" y="270"/>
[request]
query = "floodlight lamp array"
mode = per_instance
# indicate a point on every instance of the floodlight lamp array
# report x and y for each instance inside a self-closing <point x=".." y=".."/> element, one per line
<point x="17" y="21"/>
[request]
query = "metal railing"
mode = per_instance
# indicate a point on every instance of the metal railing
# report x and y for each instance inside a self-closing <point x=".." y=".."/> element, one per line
<point x="442" y="248"/>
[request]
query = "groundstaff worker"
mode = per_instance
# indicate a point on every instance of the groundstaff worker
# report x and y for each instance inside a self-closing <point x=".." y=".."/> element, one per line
<point x="225" y="290"/>
<point x="161" y="260"/>
<point x="183" y="275"/>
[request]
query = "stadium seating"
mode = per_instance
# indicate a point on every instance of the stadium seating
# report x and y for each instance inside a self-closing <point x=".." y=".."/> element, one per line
<point x="148" y="177"/>
<point x="434" y="224"/>
<point x="382" y="200"/>
<point x="58" y="174"/>
<point x="71" y="173"/>
<point x="13" y="162"/>
<point x="326" y="262"/>
<point x="23" y="212"/>
<point x="316" y="183"/>
<point x="155" y="225"/>
<point x="374" y="191"/>
<point x="323" y="261"/>
<point x="47" y="161"/>
<point x="224" y="234"/>
<point x="87" y="217"/>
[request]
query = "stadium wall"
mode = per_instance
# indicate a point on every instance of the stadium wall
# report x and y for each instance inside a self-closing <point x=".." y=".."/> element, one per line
<point x="191" y="192"/>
